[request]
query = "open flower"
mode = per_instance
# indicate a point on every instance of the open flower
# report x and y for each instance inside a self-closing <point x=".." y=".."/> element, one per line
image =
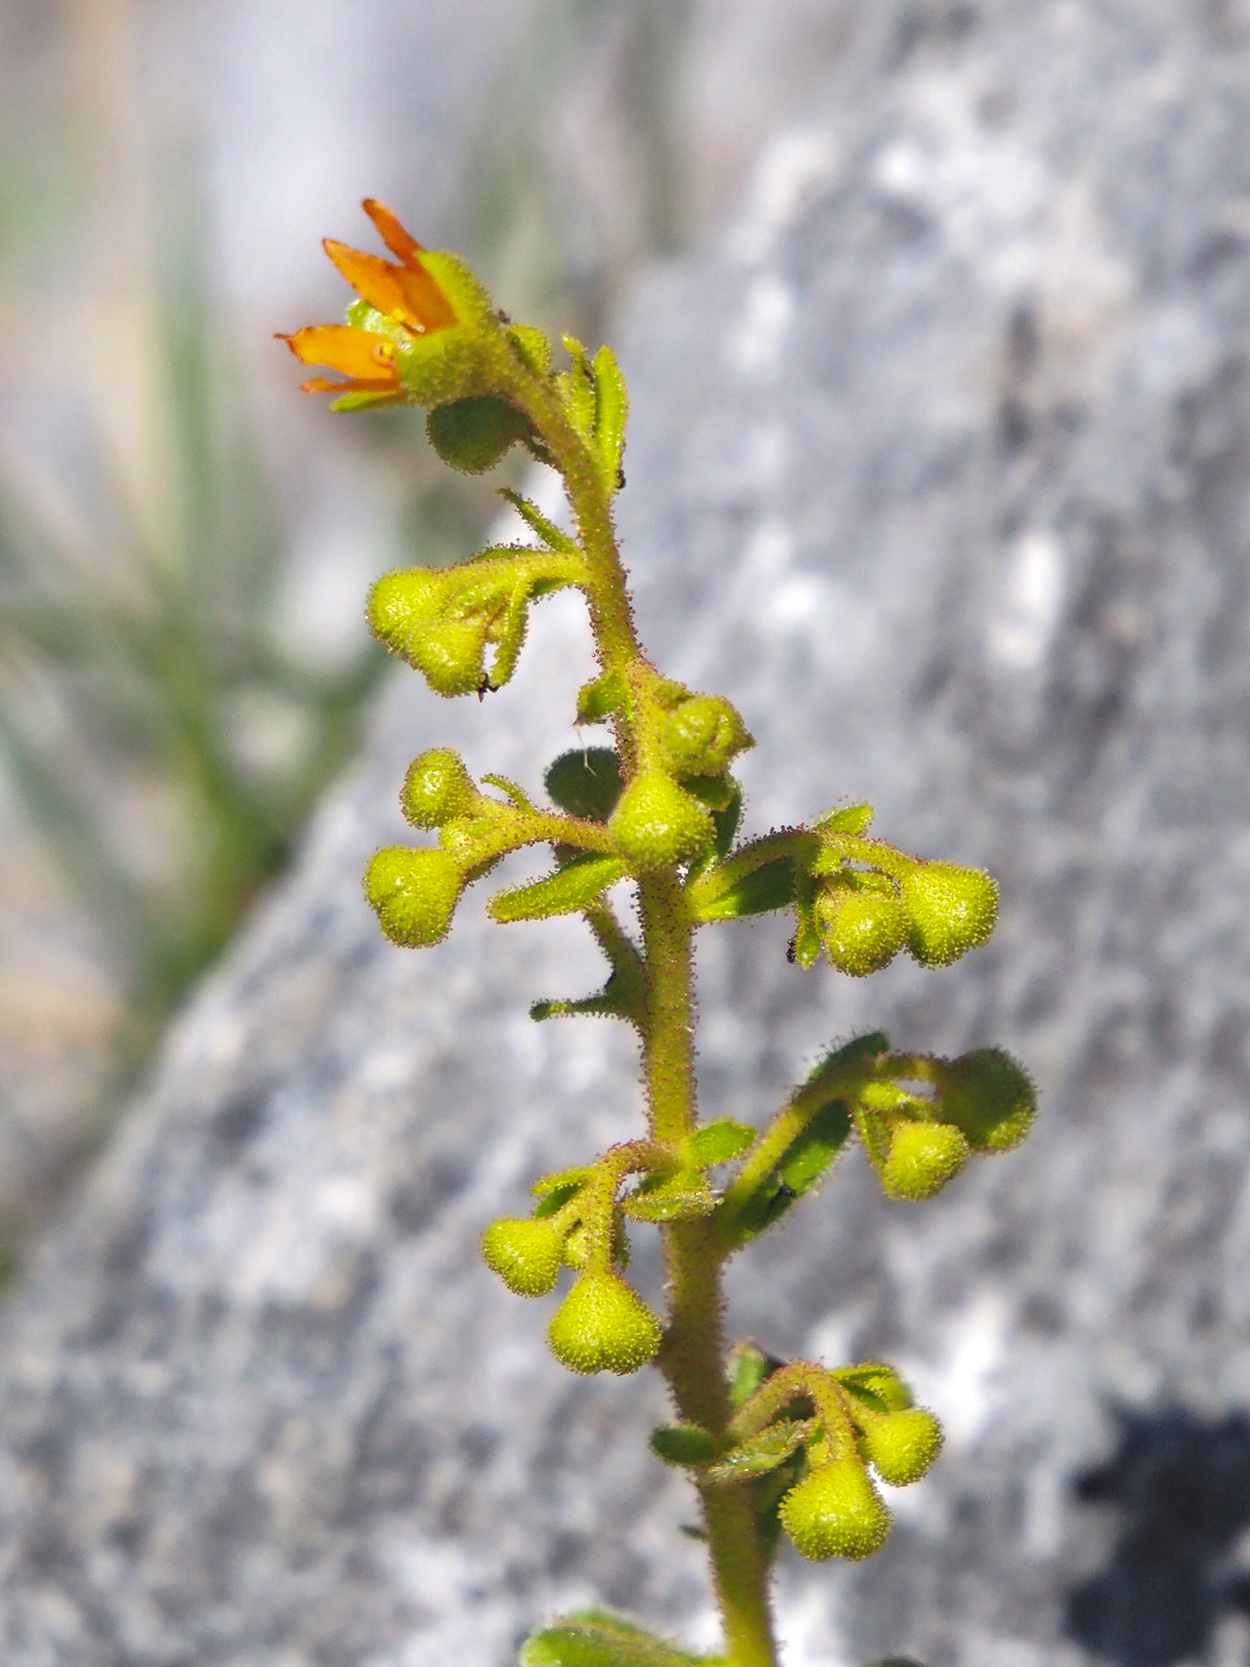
<point x="403" y="302"/>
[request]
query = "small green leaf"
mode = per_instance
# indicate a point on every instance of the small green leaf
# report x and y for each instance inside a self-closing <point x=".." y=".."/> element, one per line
<point x="679" y="1197"/>
<point x="859" y="1049"/>
<point x="611" y="410"/>
<point x="855" y="819"/>
<point x="718" y="1143"/>
<point x="515" y="792"/>
<point x="586" y="782"/>
<point x="598" y="700"/>
<point x="474" y="434"/>
<point x="593" y="1639"/>
<point x="763" y="1452"/>
<point x="538" y="523"/>
<point x="684" y="1444"/>
<point x="566" y="891"/>
<point x="815" y="1149"/>
<point x="768" y="887"/>
<point x="577" y="386"/>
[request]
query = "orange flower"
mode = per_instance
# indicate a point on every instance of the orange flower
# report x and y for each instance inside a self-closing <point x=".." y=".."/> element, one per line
<point x="401" y="290"/>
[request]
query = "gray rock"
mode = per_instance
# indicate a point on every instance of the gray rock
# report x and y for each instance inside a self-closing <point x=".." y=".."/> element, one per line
<point x="939" y="468"/>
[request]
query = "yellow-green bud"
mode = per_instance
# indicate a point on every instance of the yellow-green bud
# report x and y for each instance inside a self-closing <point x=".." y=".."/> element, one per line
<point x="526" y="1254"/>
<point x="401" y="600"/>
<point x="901" y="1445"/>
<point x="861" y="930"/>
<point x="449" y="653"/>
<point x="923" y="1157"/>
<point x="603" y="1325"/>
<point x="437" y="789"/>
<point x="952" y="910"/>
<point x="702" y="735"/>
<point x="415" y="893"/>
<point x="656" y="823"/>
<point x="836" y="1512"/>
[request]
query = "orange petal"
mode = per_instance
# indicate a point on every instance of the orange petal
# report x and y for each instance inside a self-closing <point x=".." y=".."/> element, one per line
<point x="344" y="348"/>
<point x="408" y="295"/>
<point x="357" y="385"/>
<point x="403" y="245"/>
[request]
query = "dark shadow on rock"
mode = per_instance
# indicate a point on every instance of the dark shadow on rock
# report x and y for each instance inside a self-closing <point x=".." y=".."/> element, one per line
<point x="1182" y="1490"/>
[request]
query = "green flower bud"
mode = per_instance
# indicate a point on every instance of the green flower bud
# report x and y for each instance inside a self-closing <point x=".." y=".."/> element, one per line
<point x="415" y="893"/>
<point x="952" y="910"/>
<point x="402" y="600"/>
<point x="836" y="1512"/>
<point x="526" y="1254"/>
<point x="923" y="1157"/>
<point x="449" y="654"/>
<point x="437" y="789"/>
<point x="901" y="1445"/>
<point x="862" y="930"/>
<point x="989" y="1097"/>
<point x="603" y="1325"/>
<point x="474" y="434"/>
<point x="655" y="823"/>
<point x="702" y="735"/>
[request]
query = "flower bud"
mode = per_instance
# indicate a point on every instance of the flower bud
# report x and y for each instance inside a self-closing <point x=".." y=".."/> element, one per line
<point x="526" y="1254"/>
<point x="989" y="1097"/>
<point x="861" y="930"/>
<point x="923" y="1157"/>
<point x="655" y="823"/>
<point x="952" y="910"/>
<point x="901" y="1445"/>
<point x="603" y="1325"/>
<point x="415" y="893"/>
<point x="437" y="789"/>
<point x="836" y="1512"/>
<point x="702" y="735"/>
<point x="401" y="600"/>
<point x="449" y="653"/>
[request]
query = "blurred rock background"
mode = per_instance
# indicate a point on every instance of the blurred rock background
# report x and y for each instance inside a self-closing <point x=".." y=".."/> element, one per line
<point x="936" y="319"/>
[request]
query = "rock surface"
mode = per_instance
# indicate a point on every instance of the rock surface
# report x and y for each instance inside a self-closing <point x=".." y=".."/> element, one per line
<point x="941" y="469"/>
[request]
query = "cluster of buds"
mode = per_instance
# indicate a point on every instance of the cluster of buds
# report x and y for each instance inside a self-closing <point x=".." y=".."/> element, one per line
<point x="579" y="1222"/>
<point x="811" y="1443"/>
<point x="686" y="743"/>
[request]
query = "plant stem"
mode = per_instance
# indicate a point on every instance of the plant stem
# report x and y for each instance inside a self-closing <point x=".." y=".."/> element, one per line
<point x="692" y="1357"/>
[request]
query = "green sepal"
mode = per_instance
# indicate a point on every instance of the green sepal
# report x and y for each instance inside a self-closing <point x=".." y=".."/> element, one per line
<point x="557" y="1179"/>
<point x="855" y="819"/>
<point x="764" y="889"/>
<point x="859" y="1050"/>
<point x="763" y="1452"/>
<point x="362" y="401"/>
<point x="519" y="797"/>
<point x="718" y="1143"/>
<point x="749" y="1367"/>
<point x="600" y="699"/>
<point x="586" y="782"/>
<point x="538" y="523"/>
<point x="684" y="1444"/>
<point x="806" y="946"/>
<point x="726" y="818"/>
<point x="593" y="1639"/>
<point x="680" y="1197"/>
<point x="611" y="410"/>
<point x="472" y="435"/>
<point x="568" y="890"/>
<point x="877" y="1385"/>
<point x="716" y="792"/>
<point x="577" y="389"/>
<point x="532" y="346"/>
